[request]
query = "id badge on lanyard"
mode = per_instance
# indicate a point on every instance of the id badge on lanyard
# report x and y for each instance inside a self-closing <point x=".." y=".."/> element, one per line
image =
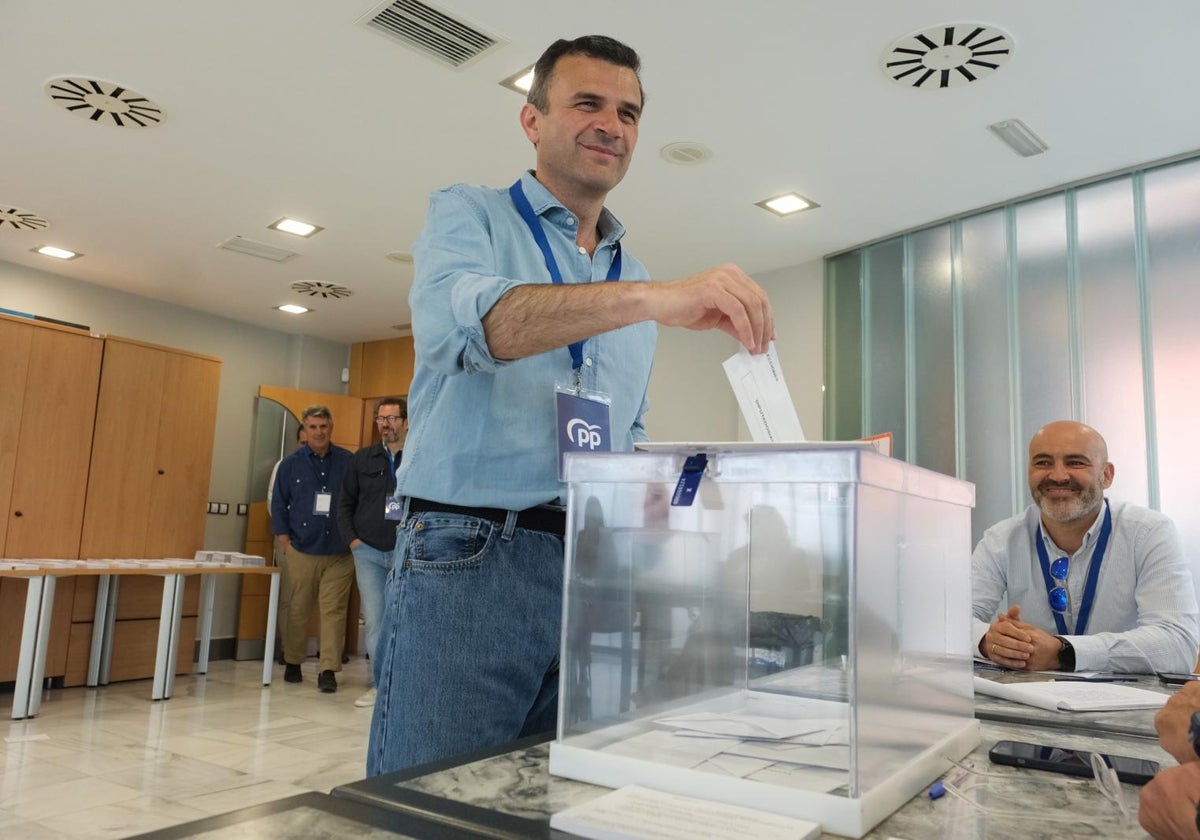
<point x="582" y="416"/>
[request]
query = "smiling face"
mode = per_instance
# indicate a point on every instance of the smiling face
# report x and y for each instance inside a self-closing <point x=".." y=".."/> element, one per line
<point x="586" y="137"/>
<point x="1068" y="471"/>
<point x="317" y="431"/>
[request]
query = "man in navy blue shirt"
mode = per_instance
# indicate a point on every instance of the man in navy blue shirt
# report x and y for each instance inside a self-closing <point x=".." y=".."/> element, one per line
<point x="320" y="567"/>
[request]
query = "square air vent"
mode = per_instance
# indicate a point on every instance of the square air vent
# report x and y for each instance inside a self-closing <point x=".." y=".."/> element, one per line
<point x="256" y="249"/>
<point x="430" y="30"/>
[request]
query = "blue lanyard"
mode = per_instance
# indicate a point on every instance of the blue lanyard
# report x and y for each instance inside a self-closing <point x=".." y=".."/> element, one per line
<point x="1093" y="577"/>
<point x="539" y="236"/>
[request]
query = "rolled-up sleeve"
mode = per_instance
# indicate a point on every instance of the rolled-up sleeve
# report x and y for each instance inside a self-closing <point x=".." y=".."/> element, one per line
<point x="455" y="286"/>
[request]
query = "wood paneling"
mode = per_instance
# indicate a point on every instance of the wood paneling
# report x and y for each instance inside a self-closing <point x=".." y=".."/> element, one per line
<point x="134" y="646"/>
<point x="382" y="368"/>
<point x="347" y="411"/>
<point x="15" y="341"/>
<point x="12" y="610"/>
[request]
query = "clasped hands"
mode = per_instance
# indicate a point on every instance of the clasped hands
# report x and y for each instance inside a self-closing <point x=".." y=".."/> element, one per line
<point x="1014" y="644"/>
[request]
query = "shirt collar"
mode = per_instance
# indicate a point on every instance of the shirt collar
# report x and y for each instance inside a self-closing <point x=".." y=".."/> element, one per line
<point x="542" y="200"/>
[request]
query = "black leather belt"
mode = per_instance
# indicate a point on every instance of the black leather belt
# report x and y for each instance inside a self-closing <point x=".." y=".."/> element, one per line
<point x="548" y="520"/>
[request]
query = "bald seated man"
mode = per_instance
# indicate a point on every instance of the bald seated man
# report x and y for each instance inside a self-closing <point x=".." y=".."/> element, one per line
<point x="1091" y="585"/>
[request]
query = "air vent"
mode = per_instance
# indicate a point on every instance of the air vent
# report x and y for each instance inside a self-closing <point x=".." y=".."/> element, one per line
<point x="256" y="249"/>
<point x="107" y="102"/>
<point x="949" y="55"/>
<point x="432" y="31"/>
<point x="20" y="219"/>
<point x="327" y="291"/>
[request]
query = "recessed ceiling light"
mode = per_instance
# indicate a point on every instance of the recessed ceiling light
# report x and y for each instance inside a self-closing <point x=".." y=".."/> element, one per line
<point x="296" y="227"/>
<point x="399" y="256"/>
<point x="57" y="253"/>
<point x="520" y="82"/>
<point x="787" y="204"/>
<point x="293" y="309"/>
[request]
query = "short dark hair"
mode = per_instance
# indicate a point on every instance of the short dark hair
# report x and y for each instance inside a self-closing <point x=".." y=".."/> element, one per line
<point x="593" y="46"/>
<point x="316" y="411"/>
<point x="399" y="402"/>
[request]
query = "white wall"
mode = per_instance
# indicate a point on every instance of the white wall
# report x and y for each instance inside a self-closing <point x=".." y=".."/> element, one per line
<point x="690" y="398"/>
<point x="252" y="356"/>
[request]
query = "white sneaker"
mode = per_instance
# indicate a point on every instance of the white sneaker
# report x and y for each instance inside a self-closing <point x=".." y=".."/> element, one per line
<point x="367" y="700"/>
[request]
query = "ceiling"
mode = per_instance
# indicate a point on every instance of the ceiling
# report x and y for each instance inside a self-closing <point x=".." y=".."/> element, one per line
<point x="288" y="107"/>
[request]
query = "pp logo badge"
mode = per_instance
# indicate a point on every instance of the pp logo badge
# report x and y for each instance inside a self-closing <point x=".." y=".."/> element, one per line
<point x="583" y="434"/>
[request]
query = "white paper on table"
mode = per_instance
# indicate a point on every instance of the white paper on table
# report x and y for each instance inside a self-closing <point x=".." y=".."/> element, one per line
<point x="638" y="813"/>
<point x="1073" y="696"/>
<point x="763" y="397"/>
<point x="741" y="725"/>
<point x="833" y="758"/>
<point x="664" y="748"/>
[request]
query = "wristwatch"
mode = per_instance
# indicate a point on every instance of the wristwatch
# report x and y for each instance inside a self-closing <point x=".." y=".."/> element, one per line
<point x="1194" y="733"/>
<point x="1066" y="656"/>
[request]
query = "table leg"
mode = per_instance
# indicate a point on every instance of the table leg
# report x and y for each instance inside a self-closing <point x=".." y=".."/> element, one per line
<point x="163" y="653"/>
<point x="208" y="586"/>
<point x="29" y="629"/>
<point x="99" y="626"/>
<point x="110" y="621"/>
<point x="43" y="641"/>
<point x="173" y="652"/>
<point x="272" y="619"/>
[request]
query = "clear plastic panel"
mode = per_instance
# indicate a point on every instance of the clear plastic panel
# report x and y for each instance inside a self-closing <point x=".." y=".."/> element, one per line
<point x="885" y="370"/>
<point x="804" y="624"/>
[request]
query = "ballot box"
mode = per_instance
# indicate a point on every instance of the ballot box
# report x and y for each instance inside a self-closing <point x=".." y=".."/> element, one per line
<point x="782" y="627"/>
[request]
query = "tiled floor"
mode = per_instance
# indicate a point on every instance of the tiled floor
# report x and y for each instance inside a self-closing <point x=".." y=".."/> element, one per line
<point x="109" y="762"/>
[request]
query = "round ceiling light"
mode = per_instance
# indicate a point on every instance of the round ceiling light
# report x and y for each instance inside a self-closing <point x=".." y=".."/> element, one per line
<point x="104" y="102"/>
<point x="328" y="291"/>
<point x="949" y="55"/>
<point x="20" y="219"/>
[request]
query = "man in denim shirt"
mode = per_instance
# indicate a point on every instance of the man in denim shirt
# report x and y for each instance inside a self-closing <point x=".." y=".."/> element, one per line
<point x="319" y="565"/>
<point x="511" y="312"/>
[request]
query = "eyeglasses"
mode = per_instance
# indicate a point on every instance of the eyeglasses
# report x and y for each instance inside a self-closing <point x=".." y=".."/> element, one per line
<point x="1060" y="598"/>
<point x="388" y="418"/>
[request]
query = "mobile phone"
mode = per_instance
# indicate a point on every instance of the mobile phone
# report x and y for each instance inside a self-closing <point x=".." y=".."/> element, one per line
<point x="1135" y="771"/>
<point x="1177" y="679"/>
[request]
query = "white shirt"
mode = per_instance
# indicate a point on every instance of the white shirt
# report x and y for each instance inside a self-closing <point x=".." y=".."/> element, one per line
<point x="1143" y="618"/>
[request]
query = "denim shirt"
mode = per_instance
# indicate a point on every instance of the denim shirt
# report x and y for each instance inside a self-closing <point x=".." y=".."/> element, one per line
<point x="482" y="430"/>
<point x="295" y="495"/>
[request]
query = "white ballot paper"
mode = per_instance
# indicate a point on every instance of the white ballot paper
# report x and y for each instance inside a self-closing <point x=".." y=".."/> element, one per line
<point x="763" y="396"/>
<point x="638" y="813"/>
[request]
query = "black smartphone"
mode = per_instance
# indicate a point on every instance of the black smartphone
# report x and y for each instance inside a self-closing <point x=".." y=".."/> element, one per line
<point x="1177" y="679"/>
<point x="1135" y="771"/>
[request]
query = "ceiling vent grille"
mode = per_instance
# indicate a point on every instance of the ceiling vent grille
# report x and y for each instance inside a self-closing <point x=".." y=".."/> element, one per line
<point x="104" y="102"/>
<point x="948" y="55"/>
<point x="20" y="219"/>
<point x="430" y="30"/>
<point x="256" y="249"/>
<point x="326" y="291"/>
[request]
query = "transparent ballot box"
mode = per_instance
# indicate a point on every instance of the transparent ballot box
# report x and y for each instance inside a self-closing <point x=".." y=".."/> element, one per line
<point x="797" y="639"/>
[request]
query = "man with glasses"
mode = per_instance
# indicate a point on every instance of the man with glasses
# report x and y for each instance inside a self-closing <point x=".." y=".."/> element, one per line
<point x="367" y="516"/>
<point x="1091" y="585"/>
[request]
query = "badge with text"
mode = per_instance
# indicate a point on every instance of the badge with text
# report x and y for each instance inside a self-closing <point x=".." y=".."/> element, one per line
<point x="393" y="509"/>
<point x="322" y="504"/>
<point x="583" y="424"/>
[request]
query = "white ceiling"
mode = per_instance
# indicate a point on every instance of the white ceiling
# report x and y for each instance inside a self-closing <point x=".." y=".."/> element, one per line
<point x="287" y="107"/>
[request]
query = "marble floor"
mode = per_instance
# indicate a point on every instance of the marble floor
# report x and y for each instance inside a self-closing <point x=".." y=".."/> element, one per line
<point x="109" y="762"/>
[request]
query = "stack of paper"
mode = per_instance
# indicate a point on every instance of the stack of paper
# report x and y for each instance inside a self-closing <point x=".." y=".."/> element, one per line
<point x="1073" y="696"/>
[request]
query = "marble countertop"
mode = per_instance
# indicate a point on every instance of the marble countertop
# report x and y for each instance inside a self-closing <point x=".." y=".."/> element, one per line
<point x="1004" y="801"/>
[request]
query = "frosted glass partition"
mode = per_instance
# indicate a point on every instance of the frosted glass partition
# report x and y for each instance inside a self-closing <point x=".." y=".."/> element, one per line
<point x="843" y="347"/>
<point x="1173" y="238"/>
<point x="1078" y="304"/>
<point x="933" y="410"/>
<point x="884" y="399"/>
<point x="811" y="608"/>
<point x="1110" y="330"/>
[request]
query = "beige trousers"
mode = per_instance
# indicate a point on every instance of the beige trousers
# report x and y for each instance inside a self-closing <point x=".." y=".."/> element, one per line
<point x="326" y="579"/>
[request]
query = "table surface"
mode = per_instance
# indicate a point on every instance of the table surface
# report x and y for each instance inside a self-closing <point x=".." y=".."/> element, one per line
<point x="510" y="793"/>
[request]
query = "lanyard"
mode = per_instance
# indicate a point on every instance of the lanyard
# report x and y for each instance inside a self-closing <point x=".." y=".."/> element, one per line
<point x="1093" y="576"/>
<point x="539" y="236"/>
<point x="309" y="455"/>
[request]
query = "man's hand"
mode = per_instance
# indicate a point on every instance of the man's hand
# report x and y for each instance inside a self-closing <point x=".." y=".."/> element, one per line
<point x="285" y="542"/>
<point x="355" y="543"/>
<point x="1014" y="644"/>
<point x="1173" y="721"/>
<point x="723" y="298"/>
<point x="1167" y="808"/>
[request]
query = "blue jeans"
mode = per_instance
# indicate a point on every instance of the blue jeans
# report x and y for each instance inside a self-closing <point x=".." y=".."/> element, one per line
<point x="371" y="567"/>
<point x="470" y="643"/>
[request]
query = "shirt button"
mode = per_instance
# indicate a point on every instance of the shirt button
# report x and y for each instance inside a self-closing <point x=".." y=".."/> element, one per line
<point x="570" y="221"/>
<point x="583" y="250"/>
<point x="588" y="362"/>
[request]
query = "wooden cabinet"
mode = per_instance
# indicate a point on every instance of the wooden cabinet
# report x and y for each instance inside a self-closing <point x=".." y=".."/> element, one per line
<point x="152" y="453"/>
<point x="47" y="407"/>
